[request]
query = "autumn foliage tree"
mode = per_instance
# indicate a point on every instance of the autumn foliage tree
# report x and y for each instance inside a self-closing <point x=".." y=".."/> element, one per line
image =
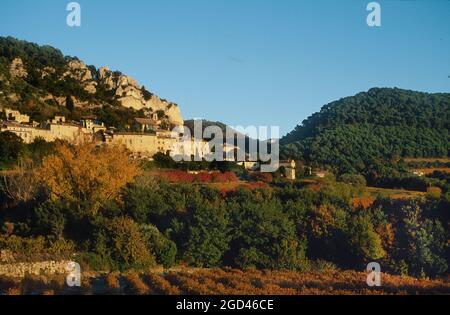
<point x="86" y="175"/>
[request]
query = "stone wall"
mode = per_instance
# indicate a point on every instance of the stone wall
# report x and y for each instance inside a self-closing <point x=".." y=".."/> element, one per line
<point x="19" y="270"/>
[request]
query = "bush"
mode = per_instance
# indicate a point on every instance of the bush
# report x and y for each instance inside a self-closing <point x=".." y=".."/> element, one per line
<point x="176" y="176"/>
<point x="11" y="147"/>
<point x="434" y="192"/>
<point x="263" y="236"/>
<point x="134" y="284"/>
<point x="164" y="249"/>
<point x="208" y="236"/>
<point x="364" y="242"/>
<point x="426" y="242"/>
<point x="51" y="218"/>
<point x="113" y="283"/>
<point x="323" y="265"/>
<point x="61" y="248"/>
<point x="96" y="262"/>
<point x="358" y="181"/>
<point x="262" y="177"/>
<point x="28" y="248"/>
<point x="121" y="239"/>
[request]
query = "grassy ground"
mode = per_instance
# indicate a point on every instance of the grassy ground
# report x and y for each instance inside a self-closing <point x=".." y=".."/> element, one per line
<point x="395" y="193"/>
<point x="427" y="171"/>
<point x="227" y="282"/>
<point x="431" y="160"/>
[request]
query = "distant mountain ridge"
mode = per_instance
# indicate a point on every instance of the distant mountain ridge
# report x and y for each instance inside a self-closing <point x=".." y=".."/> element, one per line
<point x="190" y="124"/>
<point x="383" y="124"/>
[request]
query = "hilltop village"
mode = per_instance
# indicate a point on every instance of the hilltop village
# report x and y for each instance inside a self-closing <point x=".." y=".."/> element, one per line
<point x="148" y="141"/>
<point x="148" y="138"/>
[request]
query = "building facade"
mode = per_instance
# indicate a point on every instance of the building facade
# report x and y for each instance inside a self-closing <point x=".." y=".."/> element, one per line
<point x="140" y="144"/>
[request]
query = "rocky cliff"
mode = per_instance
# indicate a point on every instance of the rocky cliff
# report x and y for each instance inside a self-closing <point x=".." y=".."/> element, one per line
<point x="39" y="78"/>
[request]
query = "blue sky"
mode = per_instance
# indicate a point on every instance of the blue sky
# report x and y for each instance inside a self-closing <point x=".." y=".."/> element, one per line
<point x="249" y="62"/>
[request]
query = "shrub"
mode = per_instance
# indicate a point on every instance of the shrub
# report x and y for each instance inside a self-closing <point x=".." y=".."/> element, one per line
<point x="159" y="285"/>
<point x="176" y="176"/>
<point x="208" y="237"/>
<point x="134" y="284"/>
<point x="96" y="262"/>
<point x="28" y="248"/>
<point x="61" y="248"/>
<point x="165" y="250"/>
<point x="13" y="291"/>
<point x="112" y="282"/>
<point x="50" y="218"/>
<point x="323" y="265"/>
<point x="122" y="240"/>
<point x="262" y="177"/>
<point x="357" y="181"/>
<point x="434" y="192"/>
<point x="263" y="236"/>
<point x="11" y="147"/>
<point x="364" y="242"/>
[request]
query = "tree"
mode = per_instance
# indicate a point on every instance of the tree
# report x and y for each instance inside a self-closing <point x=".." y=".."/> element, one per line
<point x="121" y="239"/>
<point x="147" y="95"/>
<point x="262" y="235"/>
<point x="146" y="201"/>
<point x="358" y="181"/>
<point x="425" y="242"/>
<point x="70" y="104"/>
<point x="364" y="242"/>
<point x="51" y="218"/>
<point x="208" y="237"/>
<point x="325" y="230"/>
<point x="165" y="250"/>
<point x="40" y="148"/>
<point x="21" y="185"/>
<point x="86" y="175"/>
<point x="11" y="147"/>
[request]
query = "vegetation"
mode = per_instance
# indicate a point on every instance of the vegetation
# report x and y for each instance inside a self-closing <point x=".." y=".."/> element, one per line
<point x="11" y="147"/>
<point x="119" y="217"/>
<point x="227" y="282"/>
<point x="365" y="133"/>
<point x="30" y="94"/>
<point x="95" y="202"/>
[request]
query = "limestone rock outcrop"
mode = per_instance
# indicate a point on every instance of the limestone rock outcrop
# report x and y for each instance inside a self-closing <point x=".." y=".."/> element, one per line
<point x="17" y="69"/>
<point x="103" y="87"/>
<point x="77" y="70"/>
<point x="47" y="71"/>
<point x="130" y="94"/>
<point x="171" y="110"/>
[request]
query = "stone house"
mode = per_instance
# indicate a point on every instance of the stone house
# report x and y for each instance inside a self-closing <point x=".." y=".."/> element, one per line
<point x="14" y="115"/>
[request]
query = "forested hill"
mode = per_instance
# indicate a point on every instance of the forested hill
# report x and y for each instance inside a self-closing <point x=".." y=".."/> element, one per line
<point x="383" y="124"/>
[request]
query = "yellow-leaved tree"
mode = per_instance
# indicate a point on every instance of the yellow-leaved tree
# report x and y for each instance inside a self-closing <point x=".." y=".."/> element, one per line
<point x="86" y="175"/>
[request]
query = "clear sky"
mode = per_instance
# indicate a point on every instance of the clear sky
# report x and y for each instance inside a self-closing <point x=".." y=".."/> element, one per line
<point x="249" y="62"/>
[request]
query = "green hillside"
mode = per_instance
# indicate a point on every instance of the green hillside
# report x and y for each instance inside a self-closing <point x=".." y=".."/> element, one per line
<point x="362" y="132"/>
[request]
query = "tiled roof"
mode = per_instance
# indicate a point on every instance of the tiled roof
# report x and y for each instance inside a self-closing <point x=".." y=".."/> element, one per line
<point x="146" y="121"/>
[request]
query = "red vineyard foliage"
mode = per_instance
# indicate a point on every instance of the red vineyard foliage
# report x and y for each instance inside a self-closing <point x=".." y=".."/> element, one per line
<point x="184" y="177"/>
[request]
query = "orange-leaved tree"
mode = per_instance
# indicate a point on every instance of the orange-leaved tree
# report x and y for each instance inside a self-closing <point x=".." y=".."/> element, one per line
<point x="87" y="175"/>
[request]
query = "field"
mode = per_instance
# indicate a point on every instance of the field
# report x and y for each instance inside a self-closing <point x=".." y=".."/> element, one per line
<point x="430" y="160"/>
<point x="427" y="171"/>
<point x="395" y="193"/>
<point x="227" y="282"/>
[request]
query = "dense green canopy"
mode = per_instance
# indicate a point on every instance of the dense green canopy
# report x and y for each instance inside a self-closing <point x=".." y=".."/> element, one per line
<point x="377" y="126"/>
